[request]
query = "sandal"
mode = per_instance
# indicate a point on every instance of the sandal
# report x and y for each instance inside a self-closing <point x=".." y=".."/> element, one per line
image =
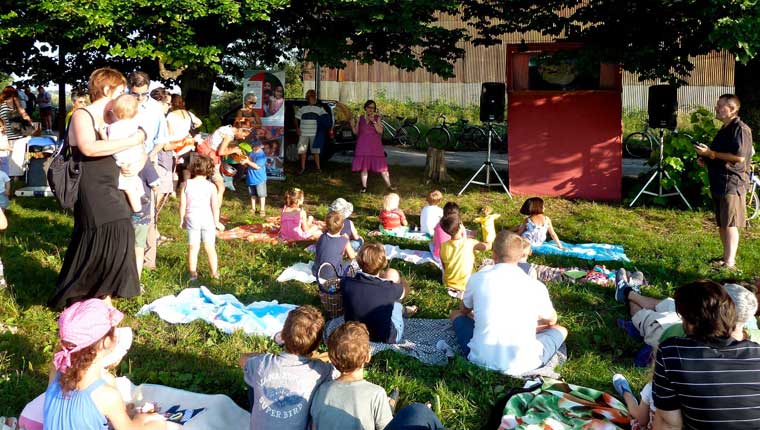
<point x="363" y="190"/>
<point x="409" y="311"/>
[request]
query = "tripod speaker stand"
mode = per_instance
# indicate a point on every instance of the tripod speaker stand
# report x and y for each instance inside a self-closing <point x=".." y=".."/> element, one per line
<point x="657" y="173"/>
<point x="488" y="166"/>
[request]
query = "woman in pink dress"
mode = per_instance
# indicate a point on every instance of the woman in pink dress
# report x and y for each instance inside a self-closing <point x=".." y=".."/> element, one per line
<point x="369" y="153"/>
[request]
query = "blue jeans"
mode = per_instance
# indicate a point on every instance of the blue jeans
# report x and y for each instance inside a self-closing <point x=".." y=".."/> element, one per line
<point x="463" y="328"/>
<point x="415" y="416"/>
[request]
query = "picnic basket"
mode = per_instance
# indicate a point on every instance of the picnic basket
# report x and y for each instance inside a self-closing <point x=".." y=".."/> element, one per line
<point x="328" y="282"/>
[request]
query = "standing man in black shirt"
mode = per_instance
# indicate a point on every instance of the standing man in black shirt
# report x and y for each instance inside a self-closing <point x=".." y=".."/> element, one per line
<point x="728" y="160"/>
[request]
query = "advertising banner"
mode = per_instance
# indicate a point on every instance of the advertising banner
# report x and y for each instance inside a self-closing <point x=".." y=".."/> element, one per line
<point x="264" y="97"/>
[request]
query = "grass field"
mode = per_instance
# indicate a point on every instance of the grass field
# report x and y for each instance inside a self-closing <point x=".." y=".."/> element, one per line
<point x="669" y="246"/>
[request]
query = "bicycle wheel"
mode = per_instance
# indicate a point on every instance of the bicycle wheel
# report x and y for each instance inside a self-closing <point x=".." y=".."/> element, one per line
<point x="407" y="136"/>
<point x="438" y="137"/>
<point x="639" y="145"/>
<point x="753" y="204"/>
<point x="473" y="138"/>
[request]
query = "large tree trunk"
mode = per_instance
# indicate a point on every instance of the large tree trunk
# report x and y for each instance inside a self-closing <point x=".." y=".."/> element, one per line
<point x="435" y="165"/>
<point x="747" y="82"/>
<point x="196" y="89"/>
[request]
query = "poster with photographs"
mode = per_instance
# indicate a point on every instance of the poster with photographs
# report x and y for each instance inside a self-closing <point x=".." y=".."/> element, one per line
<point x="264" y="98"/>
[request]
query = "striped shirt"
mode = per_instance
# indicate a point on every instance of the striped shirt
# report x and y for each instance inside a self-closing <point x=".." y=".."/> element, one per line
<point x="307" y="116"/>
<point x="716" y="384"/>
<point x="7" y="112"/>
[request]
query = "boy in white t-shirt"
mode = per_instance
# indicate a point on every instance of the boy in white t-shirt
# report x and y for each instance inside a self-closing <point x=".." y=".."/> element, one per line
<point x="124" y="110"/>
<point x="432" y="213"/>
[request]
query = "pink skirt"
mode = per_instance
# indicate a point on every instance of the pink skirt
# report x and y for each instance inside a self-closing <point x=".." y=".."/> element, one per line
<point x="369" y="163"/>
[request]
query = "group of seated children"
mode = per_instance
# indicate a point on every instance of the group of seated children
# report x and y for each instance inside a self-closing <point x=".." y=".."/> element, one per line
<point x="296" y="390"/>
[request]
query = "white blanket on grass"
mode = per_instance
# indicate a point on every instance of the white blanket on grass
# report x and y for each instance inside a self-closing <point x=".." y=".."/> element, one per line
<point x="414" y="256"/>
<point x="223" y="311"/>
<point x="300" y="272"/>
<point x="182" y="409"/>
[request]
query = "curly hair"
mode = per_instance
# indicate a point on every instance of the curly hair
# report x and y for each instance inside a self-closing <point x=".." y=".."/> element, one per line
<point x="80" y="362"/>
<point x="348" y="346"/>
<point x="201" y="166"/>
<point x="294" y="197"/>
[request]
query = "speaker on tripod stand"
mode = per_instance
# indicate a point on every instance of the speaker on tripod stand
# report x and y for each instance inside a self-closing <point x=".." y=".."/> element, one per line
<point x="493" y="102"/>
<point x="663" y="115"/>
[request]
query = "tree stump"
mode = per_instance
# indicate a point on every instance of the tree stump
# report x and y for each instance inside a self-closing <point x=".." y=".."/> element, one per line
<point x="435" y="166"/>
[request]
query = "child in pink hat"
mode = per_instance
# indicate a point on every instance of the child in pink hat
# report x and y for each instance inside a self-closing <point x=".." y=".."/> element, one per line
<point x="78" y="397"/>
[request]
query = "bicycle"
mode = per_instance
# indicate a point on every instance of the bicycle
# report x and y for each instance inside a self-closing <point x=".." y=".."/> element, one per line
<point x="471" y="137"/>
<point x="642" y="144"/>
<point x="405" y="134"/>
<point x="753" y="200"/>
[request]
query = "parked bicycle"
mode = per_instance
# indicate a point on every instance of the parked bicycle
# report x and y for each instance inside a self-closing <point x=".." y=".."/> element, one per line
<point x="405" y="133"/>
<point x="753" y="200"/>
<point x="642" y="144"/>
<point x="459" y="136"/>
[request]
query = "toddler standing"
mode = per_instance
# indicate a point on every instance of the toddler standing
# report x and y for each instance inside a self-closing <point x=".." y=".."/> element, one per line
<point x="391" y="217"/>
<point x="295" y="225"/>
<point x="124" y="110"/>
<point x="256" y="176"/>
<point x="198" y="212"/>
<point x="536" y="225"/>
<point x="431" y="214"/>
<point x="487" y="223"/>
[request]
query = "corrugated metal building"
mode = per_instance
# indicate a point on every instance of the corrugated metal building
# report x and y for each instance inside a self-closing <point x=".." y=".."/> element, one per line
<point x="712" y="76"/>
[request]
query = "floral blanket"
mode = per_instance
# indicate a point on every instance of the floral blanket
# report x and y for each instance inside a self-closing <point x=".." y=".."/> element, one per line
<point x="557" y="405"/>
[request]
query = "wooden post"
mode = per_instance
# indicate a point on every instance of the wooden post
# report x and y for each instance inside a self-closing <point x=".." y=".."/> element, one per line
<point x="435" y="165"/>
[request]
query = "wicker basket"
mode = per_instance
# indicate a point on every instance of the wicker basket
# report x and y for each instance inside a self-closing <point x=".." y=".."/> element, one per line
<point x="328" y="282"/>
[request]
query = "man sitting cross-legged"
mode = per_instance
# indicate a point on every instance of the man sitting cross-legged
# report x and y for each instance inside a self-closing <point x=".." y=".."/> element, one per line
<point x="708" y="379"/>
<point x="506" y="321"/>
<point x="657" y="320"/>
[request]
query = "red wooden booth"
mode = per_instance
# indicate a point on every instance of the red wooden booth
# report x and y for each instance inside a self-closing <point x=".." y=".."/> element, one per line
<point x="565" y="123"/>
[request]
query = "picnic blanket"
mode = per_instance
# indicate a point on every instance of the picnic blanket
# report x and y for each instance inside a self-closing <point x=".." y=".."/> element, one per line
<point x="415" y="256"/>
<point x="182" y="409"/>
<point x="421" y="337"/>
<point x="298" y="272"/>
<point x="557" y="405"/>
<point x="586" y="251"/>
<point x="223" y="311"/>
<point x="402" y="232"/>
<point x="266" y="232"/>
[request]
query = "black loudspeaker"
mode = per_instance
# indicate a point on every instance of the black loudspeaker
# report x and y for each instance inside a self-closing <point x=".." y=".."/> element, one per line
<point x="493" y="100"/>
<point x="663" y="106"/>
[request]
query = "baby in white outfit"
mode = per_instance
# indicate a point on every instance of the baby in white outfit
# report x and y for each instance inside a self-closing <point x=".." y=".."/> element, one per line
<point x="124" y="110"/>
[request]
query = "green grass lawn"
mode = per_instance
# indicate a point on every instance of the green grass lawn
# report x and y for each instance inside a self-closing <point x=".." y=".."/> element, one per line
<point x="669" y="246"/>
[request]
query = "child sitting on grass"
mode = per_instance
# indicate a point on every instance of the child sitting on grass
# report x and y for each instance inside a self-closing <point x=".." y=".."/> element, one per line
<point x="198" y="212"/>
<point x="440" y="236"/>
<point x="642" y="413"/>
<point x="350" y="402"/>
<point x="345" y="208"/>
<point x="431" y="214"/>
<point x="536" y="225"/>
<point x="332" y="247"/>
<point x="281" y="386"/>
<point x="373" y="296"/>
<point x="487" y="221"/>
<point x="294" y="224"/>
<point x="458" y="255"/>
<point x="78" y="396"/>
<point x="391" y="217"/>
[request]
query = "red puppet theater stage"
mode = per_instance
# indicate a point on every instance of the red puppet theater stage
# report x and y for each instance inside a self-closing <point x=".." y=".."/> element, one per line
<point x="565" y="123"/>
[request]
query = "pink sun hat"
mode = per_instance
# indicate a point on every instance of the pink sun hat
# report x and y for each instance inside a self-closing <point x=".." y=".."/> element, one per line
<point x="81" y="325"/>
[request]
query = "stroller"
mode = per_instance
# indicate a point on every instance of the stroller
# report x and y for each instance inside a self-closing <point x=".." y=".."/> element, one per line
<point x="38" y="157"/>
